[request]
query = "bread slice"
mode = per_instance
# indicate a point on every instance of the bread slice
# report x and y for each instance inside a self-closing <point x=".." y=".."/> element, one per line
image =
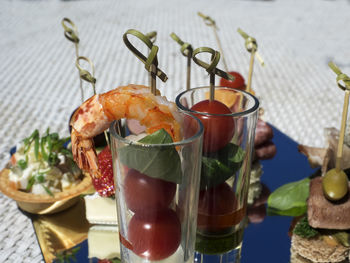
<point x="325" y="214"/>
<point x="304" y="250"/>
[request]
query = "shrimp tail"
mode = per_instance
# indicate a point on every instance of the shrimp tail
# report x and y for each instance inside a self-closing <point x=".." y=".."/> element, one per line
<point x="84" y="153"/>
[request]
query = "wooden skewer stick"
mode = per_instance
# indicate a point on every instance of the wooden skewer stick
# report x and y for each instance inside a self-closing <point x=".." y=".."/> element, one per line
<point x="342" y="131"/>
<point x="250" y="72"/>
<point x="71" y="33"/>
<point x="345" y="79"/>
<point x="210" y="22"/>
<point x="187" y="51"/>
<point x="89" y="77"/>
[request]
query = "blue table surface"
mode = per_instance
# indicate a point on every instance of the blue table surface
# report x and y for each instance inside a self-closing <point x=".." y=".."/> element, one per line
<point x="267" y="241"/>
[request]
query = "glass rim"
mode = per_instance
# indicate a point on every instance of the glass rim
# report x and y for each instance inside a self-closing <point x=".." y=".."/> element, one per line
<point x="249" y="111"/>
<point x="191" y="139"/>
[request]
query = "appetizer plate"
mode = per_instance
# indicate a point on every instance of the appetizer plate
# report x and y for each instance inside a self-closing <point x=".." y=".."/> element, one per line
<point x="43" y="204"/>
<point x="266" y="241"/>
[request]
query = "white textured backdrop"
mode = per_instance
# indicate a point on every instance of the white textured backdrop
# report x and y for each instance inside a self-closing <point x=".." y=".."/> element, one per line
<point x="39" y="85"/>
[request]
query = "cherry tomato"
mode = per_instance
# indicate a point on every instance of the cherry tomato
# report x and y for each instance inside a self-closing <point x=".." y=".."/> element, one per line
<point x="238" y="83"/>
<point x="155" y="236"/>
<point x="217" y="207"/>
<point x="218" y="130"/>
<point x="143" y="193"/>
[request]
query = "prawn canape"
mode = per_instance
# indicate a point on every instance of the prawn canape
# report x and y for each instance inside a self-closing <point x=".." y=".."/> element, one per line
<point x="130" y="102"/>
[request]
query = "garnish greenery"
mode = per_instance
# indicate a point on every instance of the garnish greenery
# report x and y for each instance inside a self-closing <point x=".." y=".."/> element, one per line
<point x="67" y="255"/>
<point x="219" y="166"/>
<point x="289" y="199"/>
<point x="157" y="162"/>
<point x="46" y="150"/>
<point x="303" y="229"/>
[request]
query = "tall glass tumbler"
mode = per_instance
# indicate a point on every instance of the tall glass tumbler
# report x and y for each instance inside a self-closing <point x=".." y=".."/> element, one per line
<point x="229" y="128"/>
<point x="157" y="187"/>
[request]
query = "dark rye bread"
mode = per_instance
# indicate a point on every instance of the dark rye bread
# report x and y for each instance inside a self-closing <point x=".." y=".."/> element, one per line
<point x="325" y="214"/>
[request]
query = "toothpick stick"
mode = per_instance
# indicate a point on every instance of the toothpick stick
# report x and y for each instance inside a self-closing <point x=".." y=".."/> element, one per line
<point x="187" y="51"/>
<point x="151" y="62"/>
<point x="210" y="22"/>
<point x="250" y="72"/>
<point x="342" y="130"/>
<point x="211" y="68"/>
<point x="346" y="80"/>
<point x="89" y="77"/>
<point x="72" y="35"/>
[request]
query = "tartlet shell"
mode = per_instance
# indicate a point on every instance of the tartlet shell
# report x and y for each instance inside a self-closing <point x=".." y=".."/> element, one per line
<point x="43" y="204"/>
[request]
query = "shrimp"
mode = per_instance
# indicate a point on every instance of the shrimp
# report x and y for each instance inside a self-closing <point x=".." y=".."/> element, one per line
<point x="130" y="102"/>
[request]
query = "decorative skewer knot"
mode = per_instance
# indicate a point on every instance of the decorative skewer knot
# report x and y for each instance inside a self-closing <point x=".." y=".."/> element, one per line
<point x="152" y="36"/>
<point x="250" y="42"/>
<point x="186" y="48"/>
<point x="341" y="77"/>
<point x="211" y="68"/>
<point x="151" y="61"/>
<point x="208" y="20"/>
<point x="85" y="74"/>
<point x="71" y="33"/>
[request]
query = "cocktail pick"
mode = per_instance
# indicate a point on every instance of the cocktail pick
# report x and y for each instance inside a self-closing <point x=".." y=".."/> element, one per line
<point x="186" y="50"/>
<point x="71" y="33"/>
<point x="89" y="77"/>
<point x="341" y="77"/>
<point x="335" y="181"/>
<point x="85" y="74"/>
<point x="151" y="62"/>
<point x="152" y="36"/>
<point x="210" y="22"/>
<point x="252" y="47"/>
<point x="211" y="68"/>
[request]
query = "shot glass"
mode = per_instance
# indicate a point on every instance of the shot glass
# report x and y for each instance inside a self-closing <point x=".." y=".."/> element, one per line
<point x="229" y="128"/>
<point x="157" y="187"/>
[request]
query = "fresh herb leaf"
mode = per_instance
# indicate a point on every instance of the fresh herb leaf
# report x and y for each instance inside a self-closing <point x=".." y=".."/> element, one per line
<point x="52" y="158"/>
<point x="289" y="199"/>
<point x="218" y="167"/>
<point x="40" y="178"/>
<point x="36" y="148"/>
<point x="303" y="229"/>
<point x="42" y="149"/>
<point x="47" y="190"/>
<point x="22" y="164"/>
<point x="31" y="181"/>
<point x="161" y="162"/>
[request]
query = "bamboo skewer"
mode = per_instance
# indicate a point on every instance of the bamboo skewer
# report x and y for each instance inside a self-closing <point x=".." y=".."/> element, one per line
<point x="211" y="68"/>
<point x="71" y="33"/>
<point x="210" y="22"/>
<point x="187" y="51"/>
<point x="345" y="79"/>
<point x="151" y="61"/>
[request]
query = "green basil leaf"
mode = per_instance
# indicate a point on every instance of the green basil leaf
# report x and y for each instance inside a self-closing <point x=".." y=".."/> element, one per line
<point x="290" y="199"/>
<point x="22" y="164"/>
<point x="31" y="181"/>
<point x="219" y="166"/>
<point x="157" y="162"/>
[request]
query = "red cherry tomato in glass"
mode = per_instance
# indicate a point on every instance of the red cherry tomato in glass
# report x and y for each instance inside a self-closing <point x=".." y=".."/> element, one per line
<point x="217" y="207"/>
<point x="143" y="193"/>
<point x="218" y="130"/>
<point x="238" y="83"/>
<point x="155" y="236"/>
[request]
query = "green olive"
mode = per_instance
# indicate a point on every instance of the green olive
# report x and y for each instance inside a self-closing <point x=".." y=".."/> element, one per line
<point x="335" y="184"/>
